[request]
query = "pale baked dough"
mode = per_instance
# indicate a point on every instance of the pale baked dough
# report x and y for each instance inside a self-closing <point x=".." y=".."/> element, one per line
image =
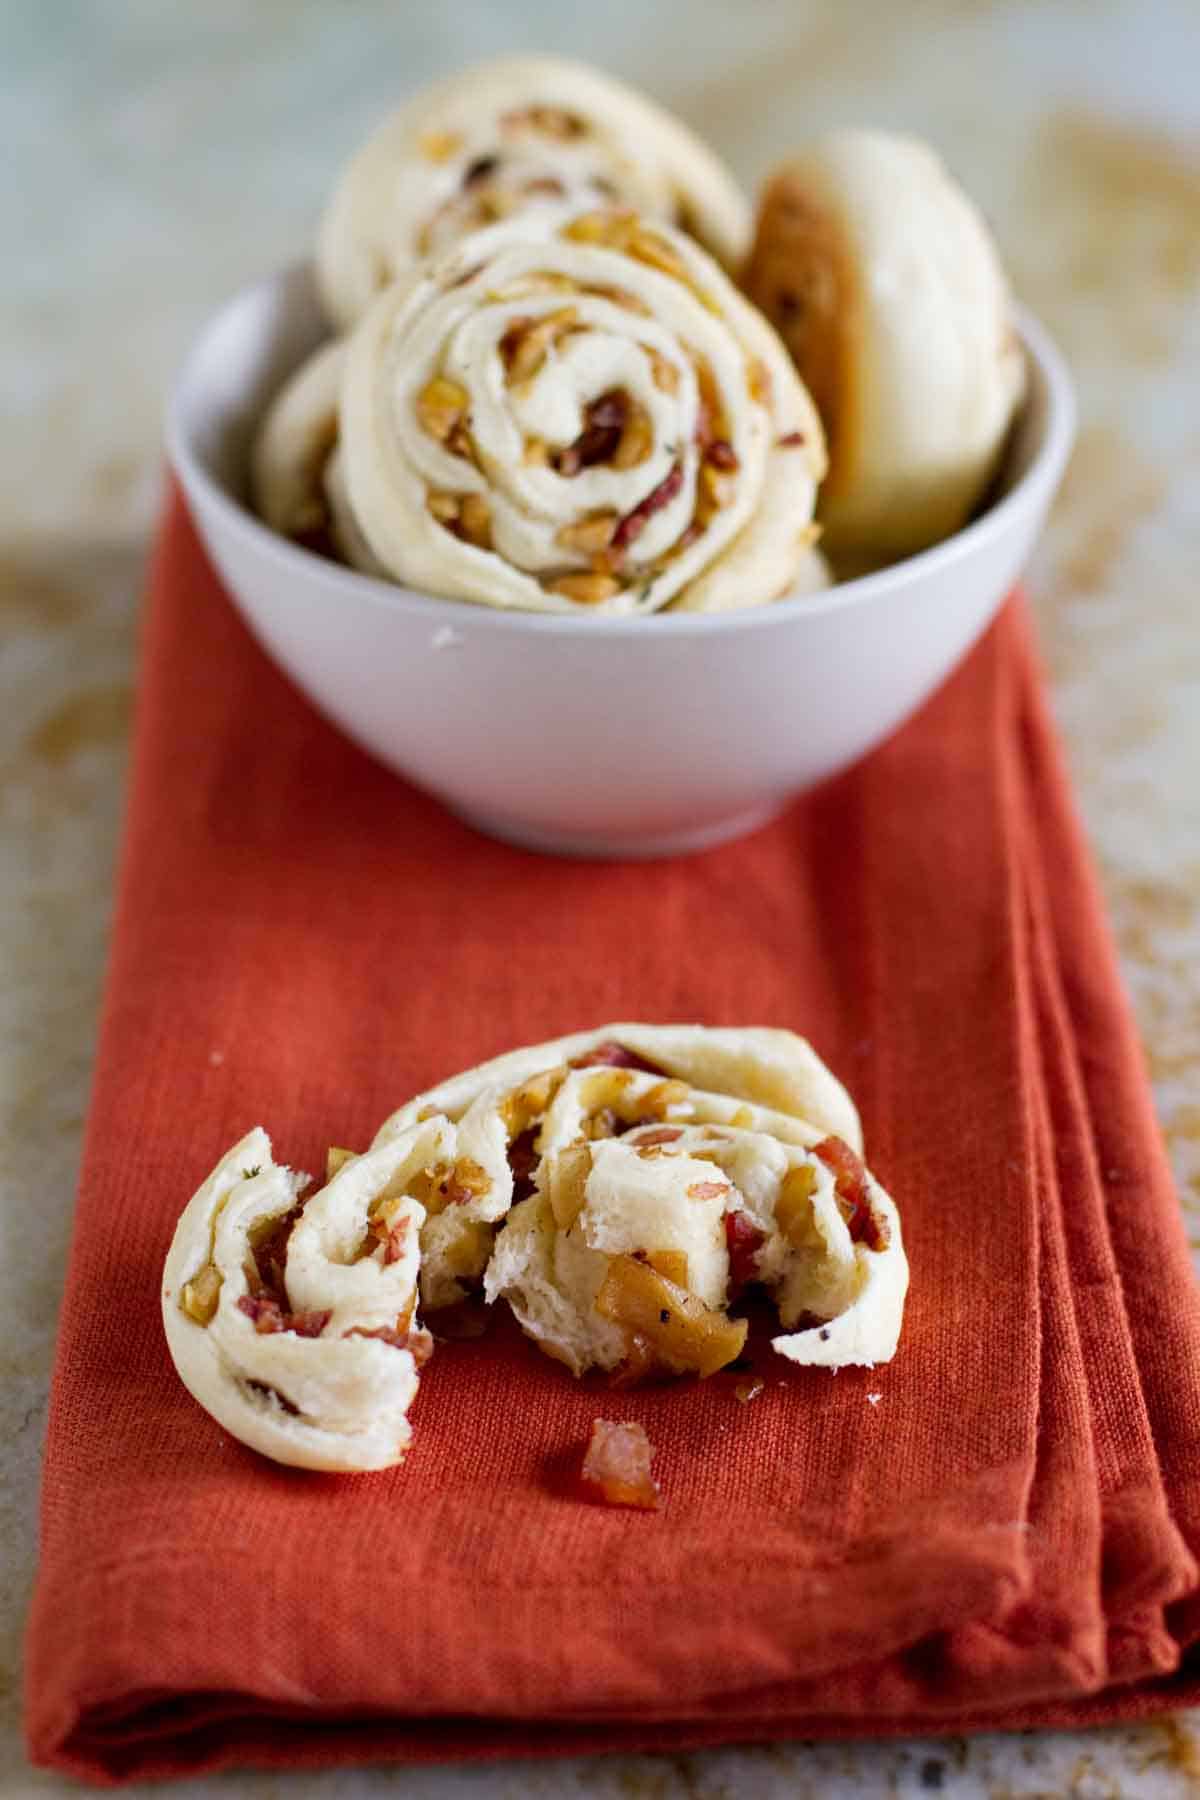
<point x="666" y="1186"/>
<point x="514" y="134"/>
<point x="296" y="477"/>
<point x="336" y="1400"/>
<point x="547" y="1177"/>
<point x="884" y="281"/>
<point x="813" y="576"/>
<point x="761" y="1064"/>
<point x="580" y="413"/>
<point x="767" y="1096"/>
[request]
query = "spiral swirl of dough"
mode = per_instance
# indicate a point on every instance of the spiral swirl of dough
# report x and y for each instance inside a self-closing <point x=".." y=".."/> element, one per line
<point x="514" y="134"/>
<point x="640" y="1174"/>
<point x="579" y="413"/>
<point x="293" y="1323"/>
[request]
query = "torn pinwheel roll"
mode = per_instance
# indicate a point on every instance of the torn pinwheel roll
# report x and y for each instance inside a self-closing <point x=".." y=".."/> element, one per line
<point x="296" y="477"/>
<point x="619" y="1188"/>
<point x="506" y="136"/>
<point x="640" y="1176"/>
<point x="293" y="1321"/>
<point x="580" y="413"/>
<point x="886" y="285"/>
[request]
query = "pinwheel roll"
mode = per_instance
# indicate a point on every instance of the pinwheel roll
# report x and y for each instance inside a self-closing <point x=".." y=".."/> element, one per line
<point x="639" y="1235"/>
<point x="507" y="136"/>
<point x="652" y="1171"/>
<point x="293" y="1321"/>
<point x="297" y="481"/>
<point x="885" y="283"/>
<point x="585" y="417"/>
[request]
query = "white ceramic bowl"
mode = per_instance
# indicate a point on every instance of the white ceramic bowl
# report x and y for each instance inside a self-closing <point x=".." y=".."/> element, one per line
<point x="598" y="737"/>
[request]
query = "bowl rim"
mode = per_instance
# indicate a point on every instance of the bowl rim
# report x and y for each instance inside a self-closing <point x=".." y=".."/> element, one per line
<point x="1042" y="476"/>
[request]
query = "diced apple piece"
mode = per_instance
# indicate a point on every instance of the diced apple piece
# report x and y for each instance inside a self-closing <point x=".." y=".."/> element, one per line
<point x="793" y="1208"/>
<point x="527" y="1105"/>
<point x="671" y="1263"/>
<point x="609" y="1089"/>
<point x="466" y="1180"/>
<point x="200" y="1294"/>
<point x="568" y="1184"/>
<point x="658" y="1101"/>
<point x="686" y="1335"/>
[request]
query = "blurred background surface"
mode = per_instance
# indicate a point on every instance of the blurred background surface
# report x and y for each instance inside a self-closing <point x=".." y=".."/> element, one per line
<point x="159" y="156"/>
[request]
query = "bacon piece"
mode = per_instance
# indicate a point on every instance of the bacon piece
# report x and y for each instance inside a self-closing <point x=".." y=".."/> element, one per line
<point x="418" y="1341"/>
<point x="617" y="1464"/>
<point x="393" y="1248"/>
<point x="850" y="1183"/>
<point x="658" y="1134"/>
<point x="604" y="420"/>
<point x="743" y="1240"/>
<point x="611" y="1055"/>
<point x="392" y="1236"/>
<point x="480" y="170"/>
<point x="270" y="1256"/>
<point x="635" y="522"/>
<point x="707" y="1190"/>
<point x="269" y="1316"/>
<point x="791" y="440"/>
<point x="721" y="454"/>
<point x="610" y="409"/>
<point x="387" y="1334"/>
<point x="595" y="444"/>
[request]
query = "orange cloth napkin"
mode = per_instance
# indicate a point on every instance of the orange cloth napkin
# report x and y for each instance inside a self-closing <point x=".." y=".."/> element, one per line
<point x="997" y="1528"/>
